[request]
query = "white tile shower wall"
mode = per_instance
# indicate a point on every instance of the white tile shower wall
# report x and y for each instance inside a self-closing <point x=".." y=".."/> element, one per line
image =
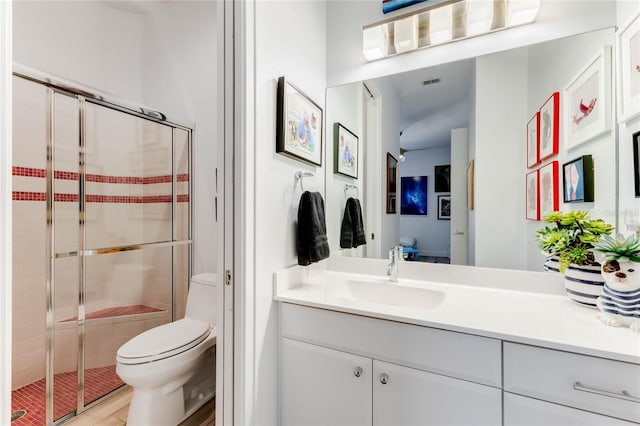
<point x="29" y="227"/>
<point x="104" y="336"/>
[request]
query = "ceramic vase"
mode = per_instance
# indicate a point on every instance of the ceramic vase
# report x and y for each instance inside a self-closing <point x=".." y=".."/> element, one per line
<point x="552" y="264"/>
<point x="619" y="301"/>
<point x="584" y="283"/>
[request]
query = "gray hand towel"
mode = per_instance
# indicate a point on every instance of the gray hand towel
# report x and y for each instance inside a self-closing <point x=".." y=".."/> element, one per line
<point x="313" y="245"/>
<point x="352" y="229"/>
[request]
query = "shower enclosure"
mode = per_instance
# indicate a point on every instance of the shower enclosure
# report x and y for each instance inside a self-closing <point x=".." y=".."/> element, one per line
<point x="101" y="240"/>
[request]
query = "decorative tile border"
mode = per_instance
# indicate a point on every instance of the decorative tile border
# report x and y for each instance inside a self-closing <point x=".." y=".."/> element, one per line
<point x="135" y="180"/>
<point x="91" y="198"/>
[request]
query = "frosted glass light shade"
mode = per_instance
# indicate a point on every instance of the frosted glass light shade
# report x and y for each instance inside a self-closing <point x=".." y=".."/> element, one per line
<point x="374" y="43"/>
<point x="479" y="16"/>
<point x="521" y="12"/>
<point x="406" y="34"/>
<point x="440" y="24"/>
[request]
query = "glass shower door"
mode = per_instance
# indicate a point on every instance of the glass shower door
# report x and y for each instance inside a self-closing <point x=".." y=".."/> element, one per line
<point x="66" y="270"/>
<point x="128" y="216"/>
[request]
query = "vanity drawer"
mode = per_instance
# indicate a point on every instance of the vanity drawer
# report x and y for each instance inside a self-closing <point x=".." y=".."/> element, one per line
<point x="464" y="356"/>
<point x="580" y="381"/>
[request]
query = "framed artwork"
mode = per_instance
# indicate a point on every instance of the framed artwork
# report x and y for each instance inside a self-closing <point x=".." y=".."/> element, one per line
<point x="442" y="178"/>
<point x="392" y="183"/>
<point x="391" y="5"/>
<point x="470" y="183"/>
<point x="587" y="100"/>
<point x="413" y="195"/>
<point x="299" y="124"/>
<point x="345" y="151"/>
<point x="533" y="140"/>
<point x="444" y="207"/>
<point x="629" y="65"/>
<point x="549" y="127"/>
<point x="533" y="195"/>
<point x="636" y="161"/>
<point x="548" y="188"/>
<point x="577" y="180"/>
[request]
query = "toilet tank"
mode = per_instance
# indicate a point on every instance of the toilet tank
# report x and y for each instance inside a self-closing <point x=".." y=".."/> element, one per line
<point x="202" y="300"/>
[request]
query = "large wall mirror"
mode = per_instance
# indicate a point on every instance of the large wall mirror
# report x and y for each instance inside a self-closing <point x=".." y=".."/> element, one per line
<point x="475" y="111"/>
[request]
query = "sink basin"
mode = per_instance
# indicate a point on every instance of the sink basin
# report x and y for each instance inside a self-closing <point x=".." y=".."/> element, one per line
<point x="386" y="293"/>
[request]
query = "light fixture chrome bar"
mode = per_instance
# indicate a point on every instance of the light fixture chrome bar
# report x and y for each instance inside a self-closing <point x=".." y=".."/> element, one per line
<point x="130" y="247"/>
<point x="50" y="264"/>
<point x="82" y="239"/>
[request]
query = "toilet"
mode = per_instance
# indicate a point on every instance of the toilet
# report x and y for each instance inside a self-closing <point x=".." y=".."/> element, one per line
<point x="171" y="368"/>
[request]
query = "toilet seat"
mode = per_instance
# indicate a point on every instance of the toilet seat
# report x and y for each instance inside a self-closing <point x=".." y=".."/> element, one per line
<point x="163" y="341"/>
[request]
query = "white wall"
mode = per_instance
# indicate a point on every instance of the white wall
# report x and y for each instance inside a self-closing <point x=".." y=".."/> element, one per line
<point x="344" y="106"/>
<point x="500" y="111"/>
<point x="627" y="10"/>
<point x="86" y="42"/>
<point x="344" y="42"/>
<point x="390" y="143"/>
<point x="180" y="78"/>
<point x="551" y="66"/>
<point x="432" y="235"/>
<point x="279" y="51"/>
<point x="159" y="54"/>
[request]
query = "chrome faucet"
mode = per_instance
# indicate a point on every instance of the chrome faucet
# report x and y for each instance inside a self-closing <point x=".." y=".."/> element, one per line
<point x="395" y="256"/>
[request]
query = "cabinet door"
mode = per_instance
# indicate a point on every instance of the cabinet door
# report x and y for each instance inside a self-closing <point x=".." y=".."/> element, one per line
<point x="523" y="411"/>
<point x="321" y="386"/>
<point x="415" y="397"/>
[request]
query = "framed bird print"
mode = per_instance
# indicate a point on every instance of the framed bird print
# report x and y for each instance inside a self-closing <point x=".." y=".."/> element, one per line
<point x="587" y="100"/>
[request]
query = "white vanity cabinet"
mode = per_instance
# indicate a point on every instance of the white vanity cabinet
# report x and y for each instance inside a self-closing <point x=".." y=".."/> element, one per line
<point x="406" y="396"/>
<point x="546" y="386"/>
<point x="343" y="369"/>
<point x="321" y="386"/>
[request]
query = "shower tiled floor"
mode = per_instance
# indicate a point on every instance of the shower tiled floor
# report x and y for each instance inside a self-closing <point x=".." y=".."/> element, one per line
<point x="31" y="398"/>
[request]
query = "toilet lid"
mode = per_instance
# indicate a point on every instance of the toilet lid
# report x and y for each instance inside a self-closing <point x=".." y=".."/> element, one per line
<point x="163" y="341"/>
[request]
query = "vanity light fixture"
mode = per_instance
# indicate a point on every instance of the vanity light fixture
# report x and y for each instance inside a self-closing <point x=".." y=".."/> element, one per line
<point x="441" y="24"/>
<point x="375" y="42"/>
<point x="447" y="21"/>
<point x="479" y="17"/>
<point x="521" y="12"/>
<point x="406" y="34"/>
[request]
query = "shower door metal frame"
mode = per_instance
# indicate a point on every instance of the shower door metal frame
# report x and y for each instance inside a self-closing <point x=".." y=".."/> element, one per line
<point x="83" y="95"/>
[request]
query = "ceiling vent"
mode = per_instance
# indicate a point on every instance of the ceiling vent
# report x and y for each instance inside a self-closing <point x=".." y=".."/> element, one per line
<point x="432" y="81"/>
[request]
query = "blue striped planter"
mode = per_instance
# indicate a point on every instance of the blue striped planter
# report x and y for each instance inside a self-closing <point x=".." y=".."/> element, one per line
<point x="583" y="284"/>
<point x="552" y="264"/>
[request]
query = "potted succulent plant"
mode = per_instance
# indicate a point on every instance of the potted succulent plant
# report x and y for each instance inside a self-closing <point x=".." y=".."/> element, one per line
<point x="569" y="242"/>
<point x="619" y="299"/>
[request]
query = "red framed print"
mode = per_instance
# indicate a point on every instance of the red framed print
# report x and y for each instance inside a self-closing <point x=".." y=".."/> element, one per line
<point x="533" y="140"/>
<point x="533" y="197"/>
<point x="548" y="184"/>
<point x="549" y="127"/>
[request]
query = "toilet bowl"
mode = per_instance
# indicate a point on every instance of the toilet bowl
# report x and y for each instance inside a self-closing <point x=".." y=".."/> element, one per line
<point x="171" y="368"/>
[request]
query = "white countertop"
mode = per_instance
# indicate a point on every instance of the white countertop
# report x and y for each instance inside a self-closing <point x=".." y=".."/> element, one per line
<point x="539" y="315"/>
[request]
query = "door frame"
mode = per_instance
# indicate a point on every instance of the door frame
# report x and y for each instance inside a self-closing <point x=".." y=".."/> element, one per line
<point x="6" y="61"/>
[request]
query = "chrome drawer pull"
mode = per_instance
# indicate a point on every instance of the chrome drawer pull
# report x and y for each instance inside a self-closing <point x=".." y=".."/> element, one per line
<point x="622" y="395"/>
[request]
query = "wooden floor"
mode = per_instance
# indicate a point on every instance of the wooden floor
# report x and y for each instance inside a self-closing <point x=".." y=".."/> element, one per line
<point x="113" y="412"/>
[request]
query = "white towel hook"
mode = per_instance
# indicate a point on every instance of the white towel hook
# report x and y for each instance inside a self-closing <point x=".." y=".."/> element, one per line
<point x="302" y="175"/>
